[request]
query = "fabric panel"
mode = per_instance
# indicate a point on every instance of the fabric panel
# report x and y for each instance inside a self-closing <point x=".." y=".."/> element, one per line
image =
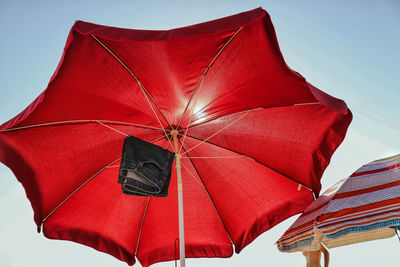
<point x="99" y="216"/>
<point x="250" y="197"/>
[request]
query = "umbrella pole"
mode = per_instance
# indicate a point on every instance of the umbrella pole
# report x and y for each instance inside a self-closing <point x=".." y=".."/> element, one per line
<point x="174" y="134"/>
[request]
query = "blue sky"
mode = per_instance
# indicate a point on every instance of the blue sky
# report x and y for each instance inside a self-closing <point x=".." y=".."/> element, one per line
<point x="348" y="49"/>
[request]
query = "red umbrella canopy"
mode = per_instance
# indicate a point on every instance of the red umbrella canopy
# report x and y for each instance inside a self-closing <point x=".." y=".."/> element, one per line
<point x="254" y="136"/>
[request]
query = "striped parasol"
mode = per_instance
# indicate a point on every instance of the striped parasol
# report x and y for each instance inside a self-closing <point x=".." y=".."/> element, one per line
<point x="362" y="207"/>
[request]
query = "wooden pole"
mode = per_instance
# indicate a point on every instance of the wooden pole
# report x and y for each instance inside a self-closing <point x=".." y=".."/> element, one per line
<point x="313" y="258"/>
<point x="174" y="134"/>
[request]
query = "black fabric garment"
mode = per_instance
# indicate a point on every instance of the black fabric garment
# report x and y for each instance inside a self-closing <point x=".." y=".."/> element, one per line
<point x="145" y="168"/>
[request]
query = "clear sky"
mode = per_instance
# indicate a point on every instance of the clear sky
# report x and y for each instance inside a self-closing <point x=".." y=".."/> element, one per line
<point x="349" y="49"/>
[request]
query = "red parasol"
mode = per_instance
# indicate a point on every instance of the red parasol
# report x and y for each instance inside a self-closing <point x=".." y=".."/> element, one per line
<point x="252" y="138"/>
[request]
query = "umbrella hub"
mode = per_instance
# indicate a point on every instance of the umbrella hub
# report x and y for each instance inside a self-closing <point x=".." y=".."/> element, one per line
<point x="179" y="130"/>
<point x="175" y="134"/>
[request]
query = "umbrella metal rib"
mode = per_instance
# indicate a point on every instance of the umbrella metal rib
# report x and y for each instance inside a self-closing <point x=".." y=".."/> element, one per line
<point x="72" y="122"/>
<point x="77" y="189"/>
<point x="191" y="174"/>
<point x="206" y="71"/>
<point x="209" y="196"/>
<point x="211" y="136"/>
<point x="144" y="90"/>
<point x="125" y="134"/>
<point x="206" y="141"/>
<point x="197" y="92"/>
<point x="247" y="110"/>
<point x="217" y="157"/>
<point x="105" y="125"/>
<point x="141" y="225"/>
<point x="201" y="82"/>
<point x="147" y="205"/>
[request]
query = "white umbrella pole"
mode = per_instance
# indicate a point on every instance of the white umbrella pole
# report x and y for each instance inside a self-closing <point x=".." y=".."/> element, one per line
<point x="174" y="134"/>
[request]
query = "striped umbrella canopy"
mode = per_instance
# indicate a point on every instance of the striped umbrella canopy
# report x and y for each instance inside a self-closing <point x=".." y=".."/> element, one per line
<point x="362" y="207"/>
